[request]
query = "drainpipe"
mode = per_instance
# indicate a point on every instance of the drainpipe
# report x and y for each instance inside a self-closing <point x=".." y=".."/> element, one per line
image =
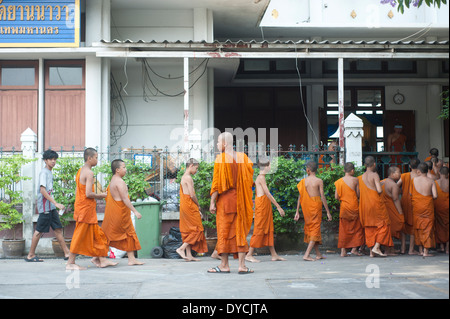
<point x="186" y="105"/>
<point x="341" y="109"/>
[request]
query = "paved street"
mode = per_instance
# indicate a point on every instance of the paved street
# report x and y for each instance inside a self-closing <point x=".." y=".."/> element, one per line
<point x="400" y="277"/>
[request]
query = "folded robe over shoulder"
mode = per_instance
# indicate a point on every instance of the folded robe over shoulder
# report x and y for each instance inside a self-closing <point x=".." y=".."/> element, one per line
<point x="191" y="227"/>
<point x="441" y="211"/>
<point x="88" y="238"/>
<point x="351" y="233"/>
<point x="397" y="219"/>
<point x="263" y="226"/>
<point x="374" y="216"/>
<point x="233" y="180"/>
<point x="406" y="203"/>
<point x="312" y="212"/>
<point x="423" y="211"/>
<point x="118" y="226"/>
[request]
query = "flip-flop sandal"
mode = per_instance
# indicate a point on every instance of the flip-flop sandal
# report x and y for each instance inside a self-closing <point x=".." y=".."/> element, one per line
<point x="218" y="271"/>
<point x="35" y="259"/>
<point x="248" y="271"/>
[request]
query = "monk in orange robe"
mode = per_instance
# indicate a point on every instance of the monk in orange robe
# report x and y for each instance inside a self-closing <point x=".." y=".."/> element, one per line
<point x="396" y="143"/>
<point x="331" y="148"/>
<point x="423" y="191"/>
<point x="441" y="210"/>
<point x="191" y="227"/>
<point x="117" y="223"/>
<point x="351" y="233"/>
<point x="311" y="198"/>
<point x="263" y="226"/>
<point x="391" y="199"/>
<point x="88" y="238"/>
<point x="232" y="188"/>
<point x="372" y="211"/>
<point x="406" y="203"/>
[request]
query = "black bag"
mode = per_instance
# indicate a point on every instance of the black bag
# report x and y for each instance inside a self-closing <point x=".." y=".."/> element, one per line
<point x="171" y="242"/>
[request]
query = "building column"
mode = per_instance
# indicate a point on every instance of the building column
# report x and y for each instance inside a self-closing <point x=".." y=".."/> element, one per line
<point x="354" y="133"/>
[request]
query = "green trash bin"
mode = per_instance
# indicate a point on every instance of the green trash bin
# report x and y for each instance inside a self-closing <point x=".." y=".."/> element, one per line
<point x="148" y="228"/>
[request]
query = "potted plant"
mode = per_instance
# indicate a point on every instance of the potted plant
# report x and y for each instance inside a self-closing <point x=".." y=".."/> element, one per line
<point x="64" y="187"/>
<point x="10" y="217"/>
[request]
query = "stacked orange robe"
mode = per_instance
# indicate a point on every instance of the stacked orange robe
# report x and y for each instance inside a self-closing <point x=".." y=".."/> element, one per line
<point x="397" y="219"/>
<point x="441" y="211"/>
<point x="233" y="180"/>
<point x="406" y="203"/>
<point x="191" y="227"/>
<point x="351" y="233"/>
<point x="312" y="212"/>
<point x="118" y="225"/>
<point x="423" y="211"/>
<point x="374" y="217"/>
<point x="263" y="226"/>
<point x="88" y="238"/>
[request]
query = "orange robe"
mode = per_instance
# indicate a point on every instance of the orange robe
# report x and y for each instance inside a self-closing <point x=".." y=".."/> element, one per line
<point x="423" y="211"/>
<point x="191" y="227"/>
<point x="351" y="233"/>
<point x="441" y="209"/>
<point x="88" y="238"/>
<point x="374" y="216"/>
<point x="312" y="212"/>
<point x="398" y="146"/>
<point x="233" y="180"/>
<point x="397" y="219"/>
<point x="406" y="203"/>
<point x="118" y="226"/>
<point x="263" y="226"/>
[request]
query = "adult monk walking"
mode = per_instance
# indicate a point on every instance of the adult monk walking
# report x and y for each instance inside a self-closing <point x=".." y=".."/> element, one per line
<point x="88" y="238"/>
<point x="441" y="211"/>
<point x="373" y="213"/>
<point x="117" y="223"/>
<point x="232" y="201"/>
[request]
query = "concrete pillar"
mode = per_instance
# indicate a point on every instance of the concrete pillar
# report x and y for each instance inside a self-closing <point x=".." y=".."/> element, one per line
<point x="353" y="132"/>
<point x="29" y="141"/>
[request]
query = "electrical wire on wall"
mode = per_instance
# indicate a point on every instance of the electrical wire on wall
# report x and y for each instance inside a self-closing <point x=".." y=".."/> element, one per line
<point x="149" y="86"/>
<point x="119" y="109"/>
<point x="301" y="96"/>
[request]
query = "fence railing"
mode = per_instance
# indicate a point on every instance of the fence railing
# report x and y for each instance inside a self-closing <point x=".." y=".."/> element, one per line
<point x="386" y="159"/>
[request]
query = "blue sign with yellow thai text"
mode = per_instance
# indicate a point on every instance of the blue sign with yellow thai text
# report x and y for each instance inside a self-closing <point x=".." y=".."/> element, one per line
<point x="39" y="23"/>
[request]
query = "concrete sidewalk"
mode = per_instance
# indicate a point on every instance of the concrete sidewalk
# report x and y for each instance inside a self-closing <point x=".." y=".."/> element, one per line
<point x="396" y="277"/>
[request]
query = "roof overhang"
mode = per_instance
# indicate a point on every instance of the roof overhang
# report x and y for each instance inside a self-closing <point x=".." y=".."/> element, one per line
<point x="275" y="49"/>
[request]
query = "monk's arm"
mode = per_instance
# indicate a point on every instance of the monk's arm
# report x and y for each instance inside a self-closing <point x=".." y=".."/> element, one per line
<point x="191" y="191"/>
<point x="376" y="179"/>
<point x="357" y="189"/>
<point x="123" y="193"/>
<point x="89" y="184"/>
<point x="212" y="206"/>
<point x="297" y="213"/>
<point x="336" y="195"/>
<point x="434" y="191"/>
<point x="268" y="194"/>
<point x="396" y="199"/>
<point x="324" y="200"/>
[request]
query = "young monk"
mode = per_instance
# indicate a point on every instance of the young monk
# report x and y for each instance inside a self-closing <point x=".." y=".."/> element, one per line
<point x="117" y="223"/>
<point x="391" y="198"/>
<point x="263" y="225"/>
<point x="88" y="238"/>
<point x="441" y="210"/>
<point x="406" y="203"/>
<point x="351" y="233"/>
<point x="423" y="191"/>
<point x="373" y="213"/>
<point x="191" y="227"/>
<point x="311" y="198"/>
<point x="232" y="202"/>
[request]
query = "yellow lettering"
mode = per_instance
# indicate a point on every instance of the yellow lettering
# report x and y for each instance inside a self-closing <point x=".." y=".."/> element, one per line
<point x="11" y="13"/>
<point x="50" y="8"/>
<point x="2" y="12"/>
<point x="30" y="30"/>
<point x="40" y="12"/>
<point x="67" y="12"/>
<point x="21" y="12"/>
<point x="58" y="15"/>
<point x="30" y="12"/>
<point x="43" y="30"/>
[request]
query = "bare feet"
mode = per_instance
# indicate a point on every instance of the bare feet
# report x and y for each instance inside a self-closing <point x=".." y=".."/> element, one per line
<point x="320" y="257"/>
<point x="252" y="259"/>
<point x="377" y="252"/>
<point x="102" y="262"/>
<point x="215" y="255"/>
<point x="134" y="262"/>
<point x="278" y="258"/>
<point x="182" y="253"/>
<point x="308" y="258"/>
<point x="413" y="252"/>
<point x="74" y="267"/>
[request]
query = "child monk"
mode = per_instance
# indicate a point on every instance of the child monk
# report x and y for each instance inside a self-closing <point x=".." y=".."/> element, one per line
<point x="406" y="203"/>
<point x="191" y="227"/>
<point x="372" y="211"/>
<point x="311" y="198"/>
<point x="391" y="199"/>
<point x="88" y="238"/>
<point x="441" y="210"/>
<point x="263" y="224"/>
<point x="117" y="223"/>
<point x="351" y="233"/>
<point x="423" y="191"/>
